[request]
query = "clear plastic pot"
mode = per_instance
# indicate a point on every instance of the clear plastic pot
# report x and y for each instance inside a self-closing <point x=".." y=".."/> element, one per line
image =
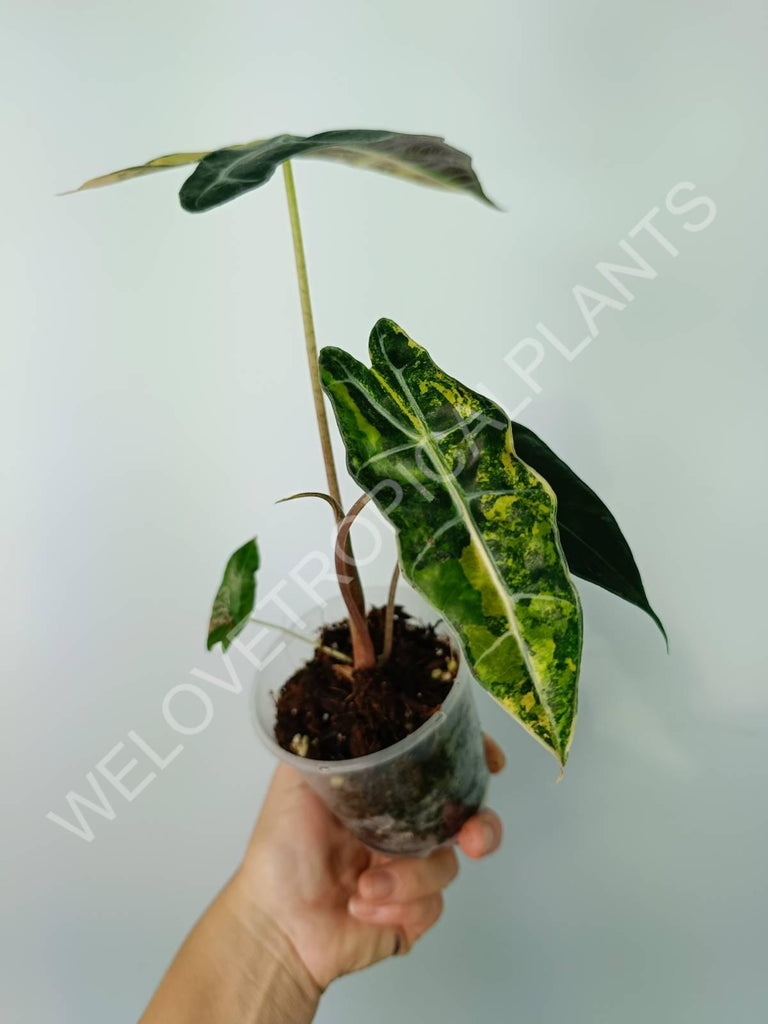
<point x="410" y="797"/>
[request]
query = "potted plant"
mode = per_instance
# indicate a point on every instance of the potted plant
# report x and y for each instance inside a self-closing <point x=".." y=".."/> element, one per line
<point x="491" y="528"/>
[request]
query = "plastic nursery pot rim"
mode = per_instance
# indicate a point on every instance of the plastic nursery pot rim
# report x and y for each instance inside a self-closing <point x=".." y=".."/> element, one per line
<point x="353" y="764"/>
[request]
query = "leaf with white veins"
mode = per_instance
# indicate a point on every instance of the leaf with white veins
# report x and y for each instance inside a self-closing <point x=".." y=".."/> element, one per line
<point x="425" y="159"/>
<point x="476" y="527"/>
<point x="227" y="172"/>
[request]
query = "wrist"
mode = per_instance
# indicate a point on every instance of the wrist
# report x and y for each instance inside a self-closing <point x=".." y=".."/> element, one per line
<point x="269" y="955"/>
<point x="235" y="966"/>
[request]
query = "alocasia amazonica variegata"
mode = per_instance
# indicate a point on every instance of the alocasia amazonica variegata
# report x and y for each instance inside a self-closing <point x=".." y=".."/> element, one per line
<point x="489" y="519"/>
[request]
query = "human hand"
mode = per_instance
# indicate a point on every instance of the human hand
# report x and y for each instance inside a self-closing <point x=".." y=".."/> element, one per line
<point x="342" y="906"/>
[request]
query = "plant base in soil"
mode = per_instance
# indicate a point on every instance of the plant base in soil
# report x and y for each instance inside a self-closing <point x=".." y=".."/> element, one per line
<point x="330" y="711"/>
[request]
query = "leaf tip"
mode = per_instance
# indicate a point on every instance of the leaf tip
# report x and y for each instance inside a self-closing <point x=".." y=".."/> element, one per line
<point x="186" y="200"/>
<point x="329" y="357"/>
<point x="647" y="608"/>
<point x="663" y="631"/>
<point x="389" y="340"/>
<point x="492" y="203"/>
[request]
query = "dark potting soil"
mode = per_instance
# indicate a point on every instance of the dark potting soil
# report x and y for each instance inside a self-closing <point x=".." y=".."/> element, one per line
<point x="329" y="711"/>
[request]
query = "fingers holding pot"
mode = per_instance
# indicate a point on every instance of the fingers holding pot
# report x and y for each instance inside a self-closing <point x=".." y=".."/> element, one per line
<point x="410" y="920"/>
<point x="495" y="757"/>
<point x="481" y="835"/>
<point x="402" y="881"/>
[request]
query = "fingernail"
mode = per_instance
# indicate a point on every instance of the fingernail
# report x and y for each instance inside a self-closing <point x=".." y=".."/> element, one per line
<point x="489" y="836"/>
<point x="377" y="885"/>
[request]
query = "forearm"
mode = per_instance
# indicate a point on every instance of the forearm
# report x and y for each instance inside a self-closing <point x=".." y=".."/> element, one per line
<point x="234" y="969"/>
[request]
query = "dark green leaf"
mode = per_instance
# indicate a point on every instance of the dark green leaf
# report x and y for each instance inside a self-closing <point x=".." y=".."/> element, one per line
<point x="427" y="159"/>
<point x="476" y="527"/>
<point x="593" y="543"/>
<point x="234" y="600"/>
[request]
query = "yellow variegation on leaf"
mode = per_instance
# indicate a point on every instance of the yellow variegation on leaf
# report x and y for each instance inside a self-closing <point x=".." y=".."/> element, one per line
<point x="476" y="527"/>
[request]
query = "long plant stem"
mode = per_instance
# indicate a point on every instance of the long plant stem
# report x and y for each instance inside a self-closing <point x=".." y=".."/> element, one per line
<point x="338" y="513"/>
<point x="314" y="375"/>
<point x="309" y="335"/>
<point x="363" y="653"/>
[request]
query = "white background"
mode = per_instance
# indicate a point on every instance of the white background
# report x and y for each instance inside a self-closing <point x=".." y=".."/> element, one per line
<point x="155" y="404"/>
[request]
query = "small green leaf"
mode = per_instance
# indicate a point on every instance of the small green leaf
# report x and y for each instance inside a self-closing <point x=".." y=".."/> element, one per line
<point x="593" y="544"/>
<point x="234" y="600"/>
<point x="426" y="159"/>
<point x="476" y="527"/>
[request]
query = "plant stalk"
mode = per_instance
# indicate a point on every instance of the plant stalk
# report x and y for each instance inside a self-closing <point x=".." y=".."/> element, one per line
<point x="309" y="334"/>
<point x="338" y="513"/>
<point x="363" y="654"/>
<point x="338" y="655"/>
<point x="389" y="617"/>
<point x="314" y="376"/>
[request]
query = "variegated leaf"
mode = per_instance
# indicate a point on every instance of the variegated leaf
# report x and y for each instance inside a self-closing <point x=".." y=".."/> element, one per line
<point x="226" y="173"/>
<point x="234" y="599"/>
<point x="476" y="526"/>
